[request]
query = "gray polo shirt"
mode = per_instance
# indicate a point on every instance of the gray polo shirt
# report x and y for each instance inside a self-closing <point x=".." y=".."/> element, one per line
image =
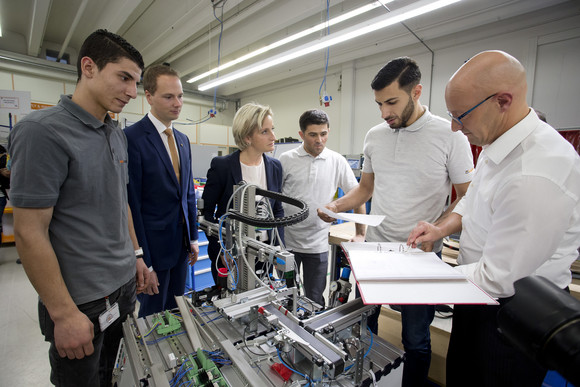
<point x="63" y="157"/>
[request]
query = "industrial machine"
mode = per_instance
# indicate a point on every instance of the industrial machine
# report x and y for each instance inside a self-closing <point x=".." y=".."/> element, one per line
<point x="258" y="330"/>
<point x="356" y="163"/>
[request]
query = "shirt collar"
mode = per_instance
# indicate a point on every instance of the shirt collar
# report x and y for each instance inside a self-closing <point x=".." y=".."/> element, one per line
<point x="504" y="144"/>
<point x="82" y="115"/>
<point x="158" y="124"/>
<point x="302" y="152"/>
<point x="419" y="123"/>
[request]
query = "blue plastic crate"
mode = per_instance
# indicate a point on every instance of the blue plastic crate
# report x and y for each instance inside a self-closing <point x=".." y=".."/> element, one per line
<point x="554" y="379"/>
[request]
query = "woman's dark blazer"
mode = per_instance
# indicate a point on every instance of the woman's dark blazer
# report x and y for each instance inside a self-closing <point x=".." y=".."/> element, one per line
<point x="224" y="172"/>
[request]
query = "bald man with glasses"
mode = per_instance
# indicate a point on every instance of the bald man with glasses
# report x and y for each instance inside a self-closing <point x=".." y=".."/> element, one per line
<point x="520" y="216"/>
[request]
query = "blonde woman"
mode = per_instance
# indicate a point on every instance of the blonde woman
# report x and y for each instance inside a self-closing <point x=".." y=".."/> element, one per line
<point x="253" y="131"/>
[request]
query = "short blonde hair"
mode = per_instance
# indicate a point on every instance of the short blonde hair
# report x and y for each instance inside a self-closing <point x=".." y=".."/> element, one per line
<point x="247" y="119"/>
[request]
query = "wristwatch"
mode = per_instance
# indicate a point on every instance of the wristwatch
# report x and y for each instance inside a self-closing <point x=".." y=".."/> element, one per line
<point x="139" y="253"/>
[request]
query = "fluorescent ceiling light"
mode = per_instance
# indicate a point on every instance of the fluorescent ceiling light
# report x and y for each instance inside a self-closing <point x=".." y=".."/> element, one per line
<point x="291" y="38"/>
<point x="397" y="16"/>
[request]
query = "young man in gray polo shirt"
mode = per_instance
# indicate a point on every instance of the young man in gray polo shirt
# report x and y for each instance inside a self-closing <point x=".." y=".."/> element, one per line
<point x="411" y="161"/>
<point x="71" y="220"/>
<point x="313" y="173"/>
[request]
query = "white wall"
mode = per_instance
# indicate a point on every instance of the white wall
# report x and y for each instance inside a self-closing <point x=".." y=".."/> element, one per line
<point x="556" y="80"/>
<point x="47" y="90"/>
<point x="550" y="52"/>
<point x="290" y="100"/>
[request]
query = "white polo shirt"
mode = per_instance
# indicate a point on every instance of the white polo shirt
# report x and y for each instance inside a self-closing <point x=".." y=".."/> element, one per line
<point x="414" y="169"/>
<point x="521" y="213"/>
<point x="315" y="181"/>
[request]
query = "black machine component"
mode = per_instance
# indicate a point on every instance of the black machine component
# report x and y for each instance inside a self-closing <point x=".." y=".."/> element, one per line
<point x="276" y="222"/>
<point x="543" y="321"/>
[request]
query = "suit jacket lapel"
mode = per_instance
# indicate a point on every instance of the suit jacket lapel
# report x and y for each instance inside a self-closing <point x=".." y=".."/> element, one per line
<point x="269" y="177"/>
<point x="236" y="167"/>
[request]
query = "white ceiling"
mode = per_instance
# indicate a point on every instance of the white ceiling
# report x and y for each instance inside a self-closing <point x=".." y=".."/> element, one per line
<point x="185" y="33"/>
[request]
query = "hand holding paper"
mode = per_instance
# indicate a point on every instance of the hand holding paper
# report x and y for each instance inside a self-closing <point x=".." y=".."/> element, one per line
<point x="369" y="220"/>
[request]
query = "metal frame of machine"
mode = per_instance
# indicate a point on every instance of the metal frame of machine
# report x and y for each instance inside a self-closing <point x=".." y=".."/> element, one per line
<point x="253" y="333"/>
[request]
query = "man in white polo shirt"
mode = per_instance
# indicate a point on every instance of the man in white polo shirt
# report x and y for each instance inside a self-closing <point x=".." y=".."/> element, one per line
<point x="313" y="173"/>
<point x="411" y="161"/>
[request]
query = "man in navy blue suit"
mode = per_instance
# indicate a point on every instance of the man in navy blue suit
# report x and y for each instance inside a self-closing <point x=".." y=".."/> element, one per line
<point x="161" y="191"/>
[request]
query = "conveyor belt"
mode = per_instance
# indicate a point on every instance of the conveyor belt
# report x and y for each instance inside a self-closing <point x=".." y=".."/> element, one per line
<point x="336" y="362"/>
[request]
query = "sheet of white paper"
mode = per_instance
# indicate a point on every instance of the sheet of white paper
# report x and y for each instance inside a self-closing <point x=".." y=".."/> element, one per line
<point x="369" y="220"/>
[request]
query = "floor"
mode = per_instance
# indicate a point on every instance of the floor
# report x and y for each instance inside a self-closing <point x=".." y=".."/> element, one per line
<point x="23" y="352"/>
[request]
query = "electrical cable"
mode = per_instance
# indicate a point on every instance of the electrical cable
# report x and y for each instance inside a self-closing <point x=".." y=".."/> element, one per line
<point x="327" y="52"/>
<point x="219" y="51"/>
<point x="246" y="342"/>
<point x="368" y="350"/>
<point x="164" y="338"/>
<point x="150" y="331"/>
<point x="426" y="46"/>
<point x="265" y="219"/>
<point x="284" y="221"/>
<point x="371" y="343"/>
<point x="275" y="232"/>
<point x="290" y="368"/>
<point x="374" y="380"/>
<point x="252" y="272"/>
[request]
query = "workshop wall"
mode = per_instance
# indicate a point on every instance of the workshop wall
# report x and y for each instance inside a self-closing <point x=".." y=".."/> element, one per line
<point x="45" y="90"/>
<point x="548" y="51"/>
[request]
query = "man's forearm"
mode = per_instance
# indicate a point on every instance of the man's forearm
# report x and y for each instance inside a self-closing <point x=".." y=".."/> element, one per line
<point x="39" y="260"/>
<point x="43" y="271"/>
<point x="132" y="233"/>
<point x="353" y="199"/>
<point x="449" y="223"/>
<point x="460" y="191"/>
<point x="360" y="229"/>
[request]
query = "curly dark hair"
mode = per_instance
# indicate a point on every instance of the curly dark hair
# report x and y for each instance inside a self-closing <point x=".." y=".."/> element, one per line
<point x="313" y="117"/>
<point x="403" y="69"/>
<point x="105" y="47"/>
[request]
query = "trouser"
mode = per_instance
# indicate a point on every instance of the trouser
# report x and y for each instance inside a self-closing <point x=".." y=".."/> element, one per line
<point x="96" y="369"/>
<point x="479" y="356"/>
<point x="416" y="320"/>
<point x="314" y="268"/>
<point x="3" y="201"/>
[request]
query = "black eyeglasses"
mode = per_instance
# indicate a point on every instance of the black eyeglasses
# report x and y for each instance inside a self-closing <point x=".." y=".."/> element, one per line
<point x="458" y="119"/>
